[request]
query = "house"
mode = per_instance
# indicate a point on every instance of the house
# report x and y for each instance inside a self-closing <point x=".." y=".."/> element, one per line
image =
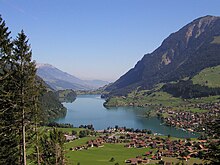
<point x="70" y="137"/>
<point x="167" y="163"/>
<point x="134" y="161"/>
<point x="148" y="153"/>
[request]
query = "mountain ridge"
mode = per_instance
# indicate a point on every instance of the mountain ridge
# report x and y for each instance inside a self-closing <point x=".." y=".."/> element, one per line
<point x="60" y="80"/>
<point x="182" y="54"/>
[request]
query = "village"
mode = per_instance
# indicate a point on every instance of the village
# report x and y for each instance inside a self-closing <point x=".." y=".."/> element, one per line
<point x="160" y="147"/>
<point x="191" y="121"/>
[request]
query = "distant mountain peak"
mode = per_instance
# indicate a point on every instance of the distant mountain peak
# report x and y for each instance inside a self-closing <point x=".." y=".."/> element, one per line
<point x="60" y="80"/>
<point x="198" y="26"/>
<point x="206" y="19"/>
<point x="41" y="65"/>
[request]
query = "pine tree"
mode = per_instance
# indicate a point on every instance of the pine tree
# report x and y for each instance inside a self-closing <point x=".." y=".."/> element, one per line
<point x="8" y="131"/>
<point x="25" y="83"/>
<point x="52" y="147"/>
<point x="58" y="139"/>
<point x="20" y="108"/>
<point x="36" y="123"/>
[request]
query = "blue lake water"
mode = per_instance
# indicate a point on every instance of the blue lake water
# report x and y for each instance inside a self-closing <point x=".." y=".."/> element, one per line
<point x="89" y="109"/>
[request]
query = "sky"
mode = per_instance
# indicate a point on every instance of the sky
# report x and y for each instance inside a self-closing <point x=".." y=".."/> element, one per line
<point x="99" y="39"/>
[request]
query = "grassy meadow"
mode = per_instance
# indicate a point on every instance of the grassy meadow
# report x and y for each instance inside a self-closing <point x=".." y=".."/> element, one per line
<point x="208" y="77"/>
<point x="103" y="155"/>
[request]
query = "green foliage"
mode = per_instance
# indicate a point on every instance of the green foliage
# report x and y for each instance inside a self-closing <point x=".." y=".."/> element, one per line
<point x="20" y="107"/>
<point x="84" y="133"/>
<point x="60" y="125"/>
<point x="52" y="148"/>
<point x="8" y="131"/>
<point x="112" y="159"/>
<point x="74" y="132"/>
<point x="186" y="89"/>
<point x="26" y="91"/>
<point x="19" y="94"/>
<point x="52" y="108"/>
<point x="67" y="95"/>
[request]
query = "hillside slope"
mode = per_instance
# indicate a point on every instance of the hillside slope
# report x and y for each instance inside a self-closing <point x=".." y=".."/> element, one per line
<point x="183" y="54"/>
<point x="203" y="88"/>
<point x="208" y="77"/>
<point x="50" y="104"/>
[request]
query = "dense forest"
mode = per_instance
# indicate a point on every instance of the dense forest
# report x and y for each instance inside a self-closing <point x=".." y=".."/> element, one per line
<point x="186" y="90"/>
<point x="67" y="95"/>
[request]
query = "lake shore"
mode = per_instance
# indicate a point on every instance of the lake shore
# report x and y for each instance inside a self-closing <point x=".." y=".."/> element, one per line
<point x="89" y="109"/>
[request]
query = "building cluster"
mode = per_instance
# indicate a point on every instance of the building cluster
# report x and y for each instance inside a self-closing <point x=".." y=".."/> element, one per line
<point x="156" y="146"/>
<point x="166" y="147"/>
<point x="191" y="121"/>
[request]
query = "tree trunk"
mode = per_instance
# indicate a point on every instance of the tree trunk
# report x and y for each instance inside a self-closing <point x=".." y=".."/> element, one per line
<point x="37" y="145"/>
<point x="23" y="112"/>
<point x="56" y="155"/>
<point x="23" y="138"/>
<point x="38" y="156"/>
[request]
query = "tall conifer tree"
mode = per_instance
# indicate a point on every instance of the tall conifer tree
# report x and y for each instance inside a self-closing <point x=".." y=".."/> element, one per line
<point x="19" y="106"/>
<point x="52" y="147"/>
<point x="8" y="131"/>
<point x="25" y="78"/>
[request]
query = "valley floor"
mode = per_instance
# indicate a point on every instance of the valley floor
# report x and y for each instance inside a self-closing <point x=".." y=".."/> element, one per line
<point x="113" y="148"/>
<point x="103" y="155"/>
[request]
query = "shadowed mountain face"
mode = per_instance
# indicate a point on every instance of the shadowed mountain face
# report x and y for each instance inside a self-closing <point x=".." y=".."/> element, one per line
<point x="60" y="80"/>
<point x="183" y="54"/>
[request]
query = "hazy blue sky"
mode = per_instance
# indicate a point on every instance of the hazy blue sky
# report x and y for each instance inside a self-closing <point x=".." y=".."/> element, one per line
<point x="99" y="39"/>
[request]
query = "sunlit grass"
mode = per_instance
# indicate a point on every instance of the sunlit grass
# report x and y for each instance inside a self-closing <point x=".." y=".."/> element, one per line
<point x="208" y="77"/>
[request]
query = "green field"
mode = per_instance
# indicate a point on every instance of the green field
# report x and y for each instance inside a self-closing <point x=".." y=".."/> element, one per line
<point x="66" y="130"/>
<point x="103" y="155"/>
<point x="157" y="98"/>
<point x="141" y="99"/>
<point x="208" y="77"/>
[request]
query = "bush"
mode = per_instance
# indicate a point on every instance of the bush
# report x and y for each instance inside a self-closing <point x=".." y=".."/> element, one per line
<point x="112" y="159"/>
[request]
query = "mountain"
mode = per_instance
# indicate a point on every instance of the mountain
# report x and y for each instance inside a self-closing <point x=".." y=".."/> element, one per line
<point x="183" y="54"/>
<point x="60" y="80"/>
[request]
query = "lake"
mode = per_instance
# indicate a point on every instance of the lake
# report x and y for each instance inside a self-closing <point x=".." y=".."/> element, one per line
<point x="89" y="109"/>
